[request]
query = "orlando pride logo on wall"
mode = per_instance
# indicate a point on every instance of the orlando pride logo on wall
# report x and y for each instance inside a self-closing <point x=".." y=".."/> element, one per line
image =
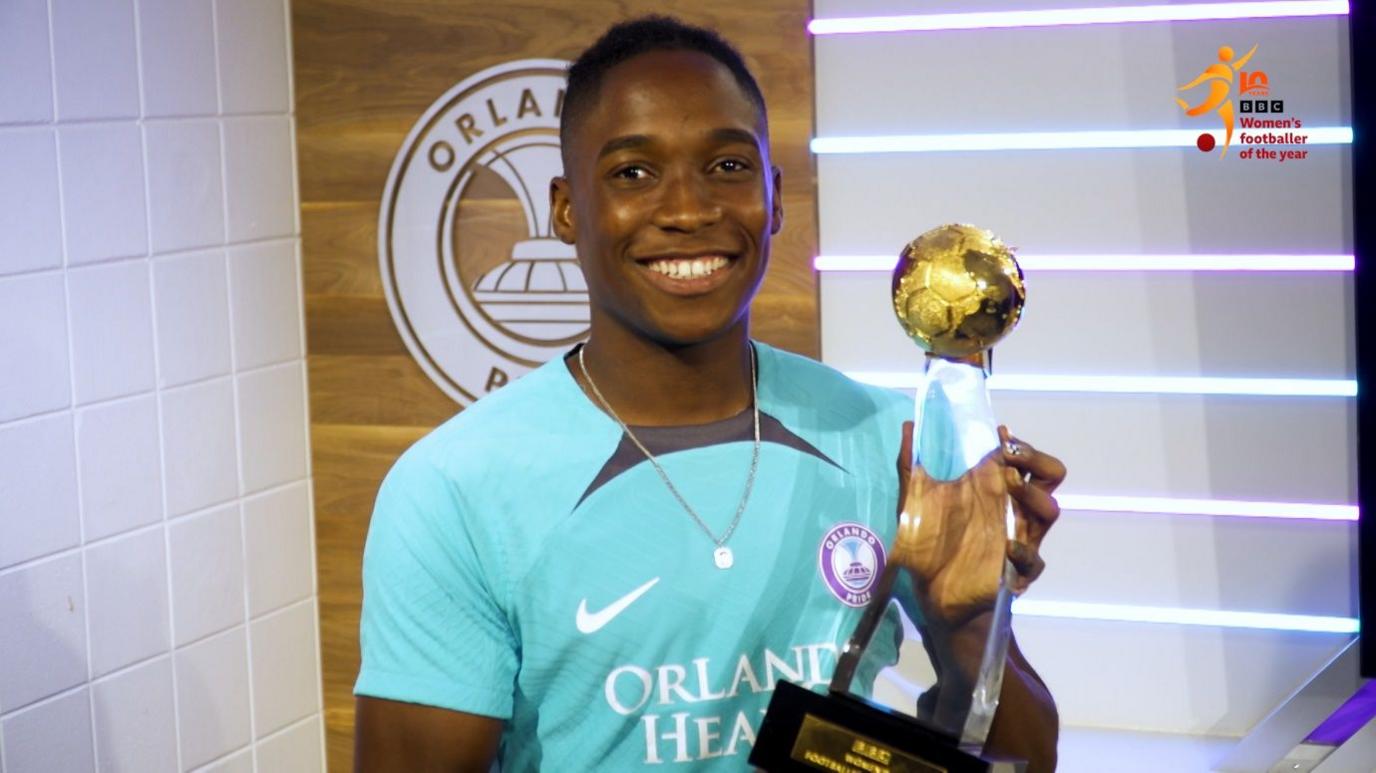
<point x="478" y="286"/>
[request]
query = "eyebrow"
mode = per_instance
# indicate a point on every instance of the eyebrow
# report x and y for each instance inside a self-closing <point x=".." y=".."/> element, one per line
<point x="735" y="135"/>
<point x="622" y="143"/>
<point x="640" y="140"/>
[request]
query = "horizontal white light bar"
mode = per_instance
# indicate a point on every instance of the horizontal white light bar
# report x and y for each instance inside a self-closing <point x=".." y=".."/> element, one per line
<point x="1281" y="387"/>
<point x="1070" y="140"/>
<point x="1180" y="385"/>
<point x="1177" y="616"/>
<point x="1221" y="507"/>
<point x="885" y="263"/>
<point x="1056" y="17"/>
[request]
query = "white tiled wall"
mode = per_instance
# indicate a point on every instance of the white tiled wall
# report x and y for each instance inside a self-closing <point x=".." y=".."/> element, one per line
<point x="157" y="575"/>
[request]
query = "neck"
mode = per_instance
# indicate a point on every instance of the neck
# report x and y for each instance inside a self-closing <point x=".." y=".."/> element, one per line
<point x="648" y="383"/>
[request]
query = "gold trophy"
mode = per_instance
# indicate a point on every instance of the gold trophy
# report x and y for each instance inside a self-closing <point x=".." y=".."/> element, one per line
<point x="926" y="704"/>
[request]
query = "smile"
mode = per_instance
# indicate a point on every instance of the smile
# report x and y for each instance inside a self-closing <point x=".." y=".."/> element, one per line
<point x="688" y="275"/>
<point x="688" y="268"/>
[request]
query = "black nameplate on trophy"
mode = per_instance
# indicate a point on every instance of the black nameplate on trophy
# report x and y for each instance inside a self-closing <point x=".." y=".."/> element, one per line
<point x="806" y="731"/>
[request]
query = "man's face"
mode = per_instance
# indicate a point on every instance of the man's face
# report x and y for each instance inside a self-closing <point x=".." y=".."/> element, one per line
<point x="670" y="198"/>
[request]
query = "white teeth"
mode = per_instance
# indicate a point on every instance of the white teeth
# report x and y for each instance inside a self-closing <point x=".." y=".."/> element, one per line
<point x="688" y="268"/>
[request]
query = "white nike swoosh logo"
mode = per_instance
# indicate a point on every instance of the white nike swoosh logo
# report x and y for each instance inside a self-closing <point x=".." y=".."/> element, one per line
<point x="590" y="622"/>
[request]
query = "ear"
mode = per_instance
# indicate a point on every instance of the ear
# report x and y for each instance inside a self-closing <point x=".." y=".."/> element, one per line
<point x="777" y="217"/>
<point x="561" y="211"/>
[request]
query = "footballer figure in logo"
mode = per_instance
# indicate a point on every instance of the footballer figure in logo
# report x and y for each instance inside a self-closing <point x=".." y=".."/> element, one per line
<point x="609" y="563"/>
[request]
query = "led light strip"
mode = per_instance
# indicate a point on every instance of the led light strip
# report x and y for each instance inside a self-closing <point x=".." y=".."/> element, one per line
<point x="1057" y="17"/>
<point x="1220" y="507"/>
<point x="1177" y="385"/>
<point x="885" y="263"/>
<point x="1074" y="140"/>
<point x="1218" y="618"/>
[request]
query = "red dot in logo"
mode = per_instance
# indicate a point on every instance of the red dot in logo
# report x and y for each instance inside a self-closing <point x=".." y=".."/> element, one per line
<point x="1205" y="142"/>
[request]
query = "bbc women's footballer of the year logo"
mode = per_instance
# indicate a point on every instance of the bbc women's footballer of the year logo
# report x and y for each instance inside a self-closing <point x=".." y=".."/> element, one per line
<point x="851" y="559"/>
<point x="479" y="287"/>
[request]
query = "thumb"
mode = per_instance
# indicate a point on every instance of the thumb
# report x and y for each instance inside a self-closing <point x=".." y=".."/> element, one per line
<point x="905" y="448"/>
<point x="905" y="465"/>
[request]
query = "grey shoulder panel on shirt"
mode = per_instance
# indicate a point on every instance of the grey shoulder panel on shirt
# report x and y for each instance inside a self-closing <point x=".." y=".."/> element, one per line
<point x="667" y="440"/>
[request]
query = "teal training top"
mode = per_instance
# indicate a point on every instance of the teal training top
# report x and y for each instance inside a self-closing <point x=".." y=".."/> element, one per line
<point x="526" y="562"/>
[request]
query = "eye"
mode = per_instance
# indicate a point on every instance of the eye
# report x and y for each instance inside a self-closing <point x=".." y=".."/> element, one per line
<point x="733" y="165"/>
<point x="631" y="172"/>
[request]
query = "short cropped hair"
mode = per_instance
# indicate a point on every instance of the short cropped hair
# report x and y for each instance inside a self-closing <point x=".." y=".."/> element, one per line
<point x="639" y="36"/>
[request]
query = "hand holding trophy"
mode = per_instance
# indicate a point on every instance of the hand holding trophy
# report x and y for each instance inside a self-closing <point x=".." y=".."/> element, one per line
<point x="957" y="554"/>
<point x="957" y="290"/>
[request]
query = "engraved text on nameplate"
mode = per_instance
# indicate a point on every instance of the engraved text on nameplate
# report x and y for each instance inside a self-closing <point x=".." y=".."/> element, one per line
<point x="826" y="746"/>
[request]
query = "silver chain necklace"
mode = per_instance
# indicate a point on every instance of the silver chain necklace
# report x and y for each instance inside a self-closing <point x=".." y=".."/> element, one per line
<point x="723" y="556"/>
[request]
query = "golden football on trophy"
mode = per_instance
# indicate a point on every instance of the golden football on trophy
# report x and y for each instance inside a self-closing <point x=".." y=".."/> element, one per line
<point x="957" y="290"/>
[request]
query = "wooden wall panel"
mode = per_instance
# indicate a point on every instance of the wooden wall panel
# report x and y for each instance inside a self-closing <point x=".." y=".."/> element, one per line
<point x="364" y="72"/>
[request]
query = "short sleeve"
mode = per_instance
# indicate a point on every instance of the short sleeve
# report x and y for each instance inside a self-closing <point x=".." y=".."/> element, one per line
<point x="432" y="630"/>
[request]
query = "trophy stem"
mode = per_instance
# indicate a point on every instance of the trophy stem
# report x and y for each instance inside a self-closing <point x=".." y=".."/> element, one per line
<point x="983" y="360"/>
<point x="985" y="698"/>
<point x="849" y="662"/>
<point x="953" y="421"/>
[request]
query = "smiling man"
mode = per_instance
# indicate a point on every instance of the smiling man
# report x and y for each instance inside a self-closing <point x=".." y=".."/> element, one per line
<point x="609" y="563"/>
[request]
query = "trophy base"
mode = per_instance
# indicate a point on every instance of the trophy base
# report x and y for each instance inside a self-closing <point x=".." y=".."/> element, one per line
<point x="806" y="731"/>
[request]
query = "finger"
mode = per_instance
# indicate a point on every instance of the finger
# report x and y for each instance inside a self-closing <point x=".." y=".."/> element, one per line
<point x="1027" y="560"/>
<point x="905" y="466"/>
<point x="905" y="448"/>
<point x="1035" y="508"/>
<point x="1042" y="469"/>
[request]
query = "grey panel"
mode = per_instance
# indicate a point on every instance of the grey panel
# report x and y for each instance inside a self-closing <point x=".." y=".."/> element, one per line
<point x="1257" y="325"/>
<point x="1281" y="734"/>
<point x="1165" y="200"/>
<point x="1114" y="76"/>
<point x="1245" y="448"/>
<point x="1084" y="750"/>
<point x="1169" y="678"/>
<point x="1251" y="564"/>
